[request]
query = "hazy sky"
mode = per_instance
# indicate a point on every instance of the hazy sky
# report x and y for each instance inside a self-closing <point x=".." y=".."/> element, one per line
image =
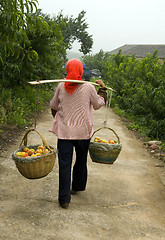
<point x="113" y="23"/>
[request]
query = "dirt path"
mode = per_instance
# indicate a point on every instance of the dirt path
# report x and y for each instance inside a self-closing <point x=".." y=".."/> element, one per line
<point x="125" y="200"/>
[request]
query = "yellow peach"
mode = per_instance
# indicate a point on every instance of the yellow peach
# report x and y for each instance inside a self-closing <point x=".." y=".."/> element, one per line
<point x="18" y="154"/>
<point x="41" y="147"/>
<point x="24" y="154"/>
<point x="39" y="150"/>
<point x="26" y="149"/>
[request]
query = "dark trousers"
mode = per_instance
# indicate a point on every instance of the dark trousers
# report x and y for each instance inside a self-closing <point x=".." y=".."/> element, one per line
<point x="79" y="177"/>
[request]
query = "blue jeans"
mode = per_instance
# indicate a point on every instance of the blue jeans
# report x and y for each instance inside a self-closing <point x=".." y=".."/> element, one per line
<point x="65" y="155"/>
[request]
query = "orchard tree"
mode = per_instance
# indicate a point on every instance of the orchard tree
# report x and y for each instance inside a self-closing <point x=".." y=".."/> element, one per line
<point x="14" y="16"/>
<point x="97" y="61"/>
<point x="49" y="46"/>
<point x="75" y="29"/>
<point x="33" y="45"/>
<point x="30" y="47"/>
<point x="16" y="53"/>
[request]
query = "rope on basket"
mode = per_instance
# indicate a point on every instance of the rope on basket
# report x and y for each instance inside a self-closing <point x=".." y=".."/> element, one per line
<point x="106" y="113"/>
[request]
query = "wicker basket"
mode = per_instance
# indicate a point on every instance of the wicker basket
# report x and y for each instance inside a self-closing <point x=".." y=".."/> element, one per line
<point x="104" y="152"/>
<point x="35" y="167"/>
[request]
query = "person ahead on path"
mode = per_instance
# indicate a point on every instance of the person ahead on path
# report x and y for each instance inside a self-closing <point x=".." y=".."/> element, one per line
<point x="73" y="125"/>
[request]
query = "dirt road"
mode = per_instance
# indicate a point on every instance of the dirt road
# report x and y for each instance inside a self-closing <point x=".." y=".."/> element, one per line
<point x="123" y="201"/>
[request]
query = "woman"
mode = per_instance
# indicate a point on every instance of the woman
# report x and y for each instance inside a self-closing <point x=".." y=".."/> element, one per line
<point x="73" y="125"/>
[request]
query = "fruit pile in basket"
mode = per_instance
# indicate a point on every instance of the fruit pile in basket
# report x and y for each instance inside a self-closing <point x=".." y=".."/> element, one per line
<point x="31" y="152"/>
<point x="110" y="141"/>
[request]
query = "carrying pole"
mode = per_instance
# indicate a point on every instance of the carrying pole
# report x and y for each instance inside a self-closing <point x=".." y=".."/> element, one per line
<point x="66" y="80"/>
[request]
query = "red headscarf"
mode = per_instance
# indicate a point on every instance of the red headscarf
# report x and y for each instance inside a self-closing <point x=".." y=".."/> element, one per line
<point x="74" y="69"/>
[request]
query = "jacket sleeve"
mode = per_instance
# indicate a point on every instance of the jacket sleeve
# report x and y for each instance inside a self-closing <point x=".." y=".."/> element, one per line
<point x="96" y="100"/>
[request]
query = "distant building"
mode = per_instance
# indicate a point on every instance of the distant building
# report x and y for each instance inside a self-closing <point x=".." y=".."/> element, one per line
<point x="141" y="50"/>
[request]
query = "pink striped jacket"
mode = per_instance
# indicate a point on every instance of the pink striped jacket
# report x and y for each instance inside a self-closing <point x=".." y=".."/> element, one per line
<point x="74" y="119"/>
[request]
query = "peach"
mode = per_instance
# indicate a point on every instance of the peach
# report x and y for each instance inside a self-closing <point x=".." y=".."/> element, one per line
<point x="26" y="149"/>
<point x="24" y="154"/>
<point x="38" y="154"/>
<point x="30" y="152"/>
<point x="18" y="154"/>
<point x="39" y="151"/>
<point x="41" y="147"/>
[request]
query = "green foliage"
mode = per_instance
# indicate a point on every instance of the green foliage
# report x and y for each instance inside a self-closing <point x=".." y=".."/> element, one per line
<point x="33" y="46"/>
<point x="133" y="126"/>
<point x="5" y="97"/>
<point x="163" y="147"/>
<point x="25" y="103"/>
<point x="17" y="116"/>
<point x="97" y="61"/>
<point x="75" y="29"/>
<point x="140" y="88"/>
<point x="17" y="56"/>
<point x="118" y="111"/>
<point x="49" y="46"/>
<point x="14" y="16"/>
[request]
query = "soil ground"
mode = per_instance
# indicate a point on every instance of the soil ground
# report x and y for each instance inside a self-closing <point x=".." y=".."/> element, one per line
<point x="123" y="201"/>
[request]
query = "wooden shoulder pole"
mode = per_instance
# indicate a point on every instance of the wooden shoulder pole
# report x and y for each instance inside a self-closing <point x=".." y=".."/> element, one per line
<point x="66" y="80"/>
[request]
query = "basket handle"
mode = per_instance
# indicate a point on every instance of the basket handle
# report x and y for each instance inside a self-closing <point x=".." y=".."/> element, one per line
<point x="24" y="140"/>
<point x="118" y="139"/>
